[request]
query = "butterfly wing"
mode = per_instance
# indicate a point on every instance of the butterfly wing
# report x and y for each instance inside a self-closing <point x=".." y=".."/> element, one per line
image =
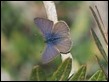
<point x="44" y="25"/>
<point x="64" y="45"/>
<point x="62" y="30"/>
<point x="49" y="53"/>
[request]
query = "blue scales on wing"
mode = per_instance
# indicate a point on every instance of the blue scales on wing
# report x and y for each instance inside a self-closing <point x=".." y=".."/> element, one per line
<point x="44" y="25"/>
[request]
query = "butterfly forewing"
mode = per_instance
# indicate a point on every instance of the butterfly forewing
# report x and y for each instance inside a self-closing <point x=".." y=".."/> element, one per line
<point x="44" y="25"/>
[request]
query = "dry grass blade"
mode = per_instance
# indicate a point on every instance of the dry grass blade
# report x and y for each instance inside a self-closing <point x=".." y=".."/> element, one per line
<point x="99" y="25"/>
<point x="106" y="34"/>
<point x="99" y="45"/>
<point x="99" y="16"/>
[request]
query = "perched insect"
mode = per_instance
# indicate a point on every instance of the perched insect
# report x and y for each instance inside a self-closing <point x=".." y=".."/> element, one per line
<point x="57" y="38"/>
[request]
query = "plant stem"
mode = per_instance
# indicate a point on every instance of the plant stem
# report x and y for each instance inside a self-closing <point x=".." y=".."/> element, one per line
<point x="52" y="15"/>
<point x="51" y="10"/>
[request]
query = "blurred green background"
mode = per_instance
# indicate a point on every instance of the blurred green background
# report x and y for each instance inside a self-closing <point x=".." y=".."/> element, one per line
<point x="22" y="44"/>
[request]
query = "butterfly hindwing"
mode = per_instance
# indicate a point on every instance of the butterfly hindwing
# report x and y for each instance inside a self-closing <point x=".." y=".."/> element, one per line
<point x="49" y="53"/>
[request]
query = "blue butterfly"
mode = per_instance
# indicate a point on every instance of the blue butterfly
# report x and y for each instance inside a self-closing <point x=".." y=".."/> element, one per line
<point x="57" y="38"/>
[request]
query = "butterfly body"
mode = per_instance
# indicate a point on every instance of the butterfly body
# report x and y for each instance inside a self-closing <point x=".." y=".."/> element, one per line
<point x="52" y="39"/>
<point x="57" y="38"/>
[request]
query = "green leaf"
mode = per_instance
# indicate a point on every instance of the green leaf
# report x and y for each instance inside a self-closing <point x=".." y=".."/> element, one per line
<point x="63" y="71"/>
<point x="98" y="76"/>
<point x="80" y="74"/>
<point x="99" y="45"/>
<point x="37" y="74"/>
<point x="101" y="66"/>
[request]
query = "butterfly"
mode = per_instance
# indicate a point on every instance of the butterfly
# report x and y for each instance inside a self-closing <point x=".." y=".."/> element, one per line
<point x="57" y="38"/>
